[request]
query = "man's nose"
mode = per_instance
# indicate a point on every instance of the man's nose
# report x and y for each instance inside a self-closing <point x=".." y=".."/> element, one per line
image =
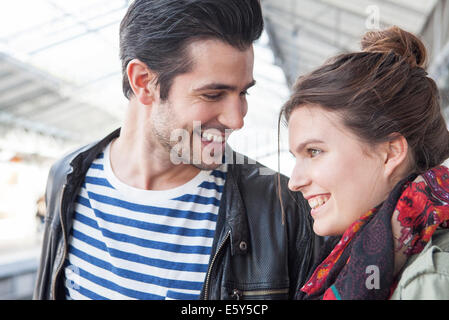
<point x="233" y="114"/>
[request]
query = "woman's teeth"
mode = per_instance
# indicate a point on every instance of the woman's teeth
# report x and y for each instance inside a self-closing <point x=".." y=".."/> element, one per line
<point x="316" y="202"/>
<point x="212" y="137"/>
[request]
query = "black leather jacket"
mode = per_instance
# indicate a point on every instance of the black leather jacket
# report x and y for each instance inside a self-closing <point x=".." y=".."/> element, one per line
<point x="254" y="255"/>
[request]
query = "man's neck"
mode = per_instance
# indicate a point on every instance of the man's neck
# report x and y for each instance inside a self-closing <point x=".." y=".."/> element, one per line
<point x="141" y="162"/>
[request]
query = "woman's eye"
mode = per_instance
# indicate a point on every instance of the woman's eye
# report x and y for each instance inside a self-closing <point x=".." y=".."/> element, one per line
<point x="313" y="152"/>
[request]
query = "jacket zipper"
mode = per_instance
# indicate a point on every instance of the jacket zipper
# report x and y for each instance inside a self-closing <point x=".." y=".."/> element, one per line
<point x="237" y="294"/>
<point x="206" y="285"/>
<point x="58" y="270"/>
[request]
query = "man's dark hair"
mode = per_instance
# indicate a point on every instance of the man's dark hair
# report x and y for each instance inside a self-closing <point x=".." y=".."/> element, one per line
<point x="158" y="32"/>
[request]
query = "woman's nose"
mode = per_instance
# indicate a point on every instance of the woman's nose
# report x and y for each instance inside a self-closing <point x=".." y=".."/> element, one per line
<point x="298" y="179"/>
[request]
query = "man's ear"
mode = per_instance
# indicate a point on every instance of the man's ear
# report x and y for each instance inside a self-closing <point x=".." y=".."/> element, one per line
<point x="395" y="156"/>
<point x="141" y="79"/>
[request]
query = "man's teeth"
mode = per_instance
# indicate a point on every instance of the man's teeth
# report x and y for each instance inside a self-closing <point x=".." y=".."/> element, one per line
<point x="212" y="137"/>
<point x="316" y="202"/>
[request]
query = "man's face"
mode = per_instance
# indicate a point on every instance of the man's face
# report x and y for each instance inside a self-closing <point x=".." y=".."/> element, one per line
<point x="207" y="103"/>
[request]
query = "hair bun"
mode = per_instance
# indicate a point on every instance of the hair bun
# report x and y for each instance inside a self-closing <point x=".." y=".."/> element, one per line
<point x="396" y="40"/>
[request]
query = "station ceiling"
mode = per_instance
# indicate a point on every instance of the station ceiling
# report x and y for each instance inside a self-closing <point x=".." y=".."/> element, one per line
<point x="60" y="71"/>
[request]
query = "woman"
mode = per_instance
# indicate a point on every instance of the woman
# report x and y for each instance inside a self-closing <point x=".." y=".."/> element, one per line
<point x="369" y="139"/>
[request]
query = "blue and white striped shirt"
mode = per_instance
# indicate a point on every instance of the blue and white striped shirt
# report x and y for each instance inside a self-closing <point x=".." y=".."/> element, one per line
<point x="129" y="243"/>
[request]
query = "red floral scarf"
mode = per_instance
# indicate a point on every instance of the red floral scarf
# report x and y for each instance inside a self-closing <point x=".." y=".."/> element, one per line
<point x="422" y="206"/>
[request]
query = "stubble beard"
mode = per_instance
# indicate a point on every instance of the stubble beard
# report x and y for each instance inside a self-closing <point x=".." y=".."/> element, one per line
<point x="162" y="128"/>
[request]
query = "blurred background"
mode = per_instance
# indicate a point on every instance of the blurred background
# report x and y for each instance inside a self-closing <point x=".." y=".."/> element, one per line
<point x="60" y="88"/>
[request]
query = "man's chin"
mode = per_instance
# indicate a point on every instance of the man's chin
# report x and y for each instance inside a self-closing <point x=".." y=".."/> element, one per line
<point x="206" y="166"/>
<point x="208" y="160"/>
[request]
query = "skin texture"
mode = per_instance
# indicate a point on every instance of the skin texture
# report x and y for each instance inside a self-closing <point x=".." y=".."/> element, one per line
<point x="334" y="164"/>
<point x="212" y="93"/>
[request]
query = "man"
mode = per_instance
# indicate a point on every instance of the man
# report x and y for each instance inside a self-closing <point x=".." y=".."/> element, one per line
<point x="151" y="212"/>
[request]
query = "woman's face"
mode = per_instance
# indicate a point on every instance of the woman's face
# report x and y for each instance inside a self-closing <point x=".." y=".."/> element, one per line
<point x="339" y="175"/>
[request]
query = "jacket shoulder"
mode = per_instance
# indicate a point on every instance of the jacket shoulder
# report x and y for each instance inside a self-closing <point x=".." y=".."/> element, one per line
<point x="426" y="275"/>
<point x="57" y="178"/>
<point x="61" y="167"/>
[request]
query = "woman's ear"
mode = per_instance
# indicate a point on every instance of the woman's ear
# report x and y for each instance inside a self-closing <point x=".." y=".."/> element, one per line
<point x="141" y="79"/>
<point x="395" y="156"/>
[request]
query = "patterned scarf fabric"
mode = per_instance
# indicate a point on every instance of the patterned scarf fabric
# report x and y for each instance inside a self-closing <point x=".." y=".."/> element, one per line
<point x="367" y="247"/>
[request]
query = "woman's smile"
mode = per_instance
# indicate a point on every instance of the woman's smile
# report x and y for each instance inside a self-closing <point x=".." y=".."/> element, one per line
<point x="328" y="157"/>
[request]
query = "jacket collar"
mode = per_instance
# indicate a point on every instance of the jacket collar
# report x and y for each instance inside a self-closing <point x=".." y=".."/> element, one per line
<point x="231" y="204"/>
<point x="82" y="161"/>
<point x="234" y="209"/>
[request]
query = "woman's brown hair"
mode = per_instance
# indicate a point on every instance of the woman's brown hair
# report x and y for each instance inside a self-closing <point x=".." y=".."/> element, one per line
<point x="381" y="91"/>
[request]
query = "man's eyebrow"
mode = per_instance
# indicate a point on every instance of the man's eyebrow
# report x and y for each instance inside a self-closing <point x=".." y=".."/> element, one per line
<point x="222" y="86"/>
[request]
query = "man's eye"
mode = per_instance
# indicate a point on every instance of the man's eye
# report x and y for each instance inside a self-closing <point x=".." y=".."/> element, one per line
<point x="244" y="93"/>
<point x="212" y="96"/>
<point x="313" y="152"/>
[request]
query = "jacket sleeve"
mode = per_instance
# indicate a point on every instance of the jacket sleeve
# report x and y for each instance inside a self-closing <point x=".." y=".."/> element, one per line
<point x="53" y="244"/>
<point x="42" y="290"/>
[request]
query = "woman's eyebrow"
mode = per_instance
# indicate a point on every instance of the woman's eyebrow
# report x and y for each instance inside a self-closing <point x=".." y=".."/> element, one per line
<point x="303" y="144"/>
